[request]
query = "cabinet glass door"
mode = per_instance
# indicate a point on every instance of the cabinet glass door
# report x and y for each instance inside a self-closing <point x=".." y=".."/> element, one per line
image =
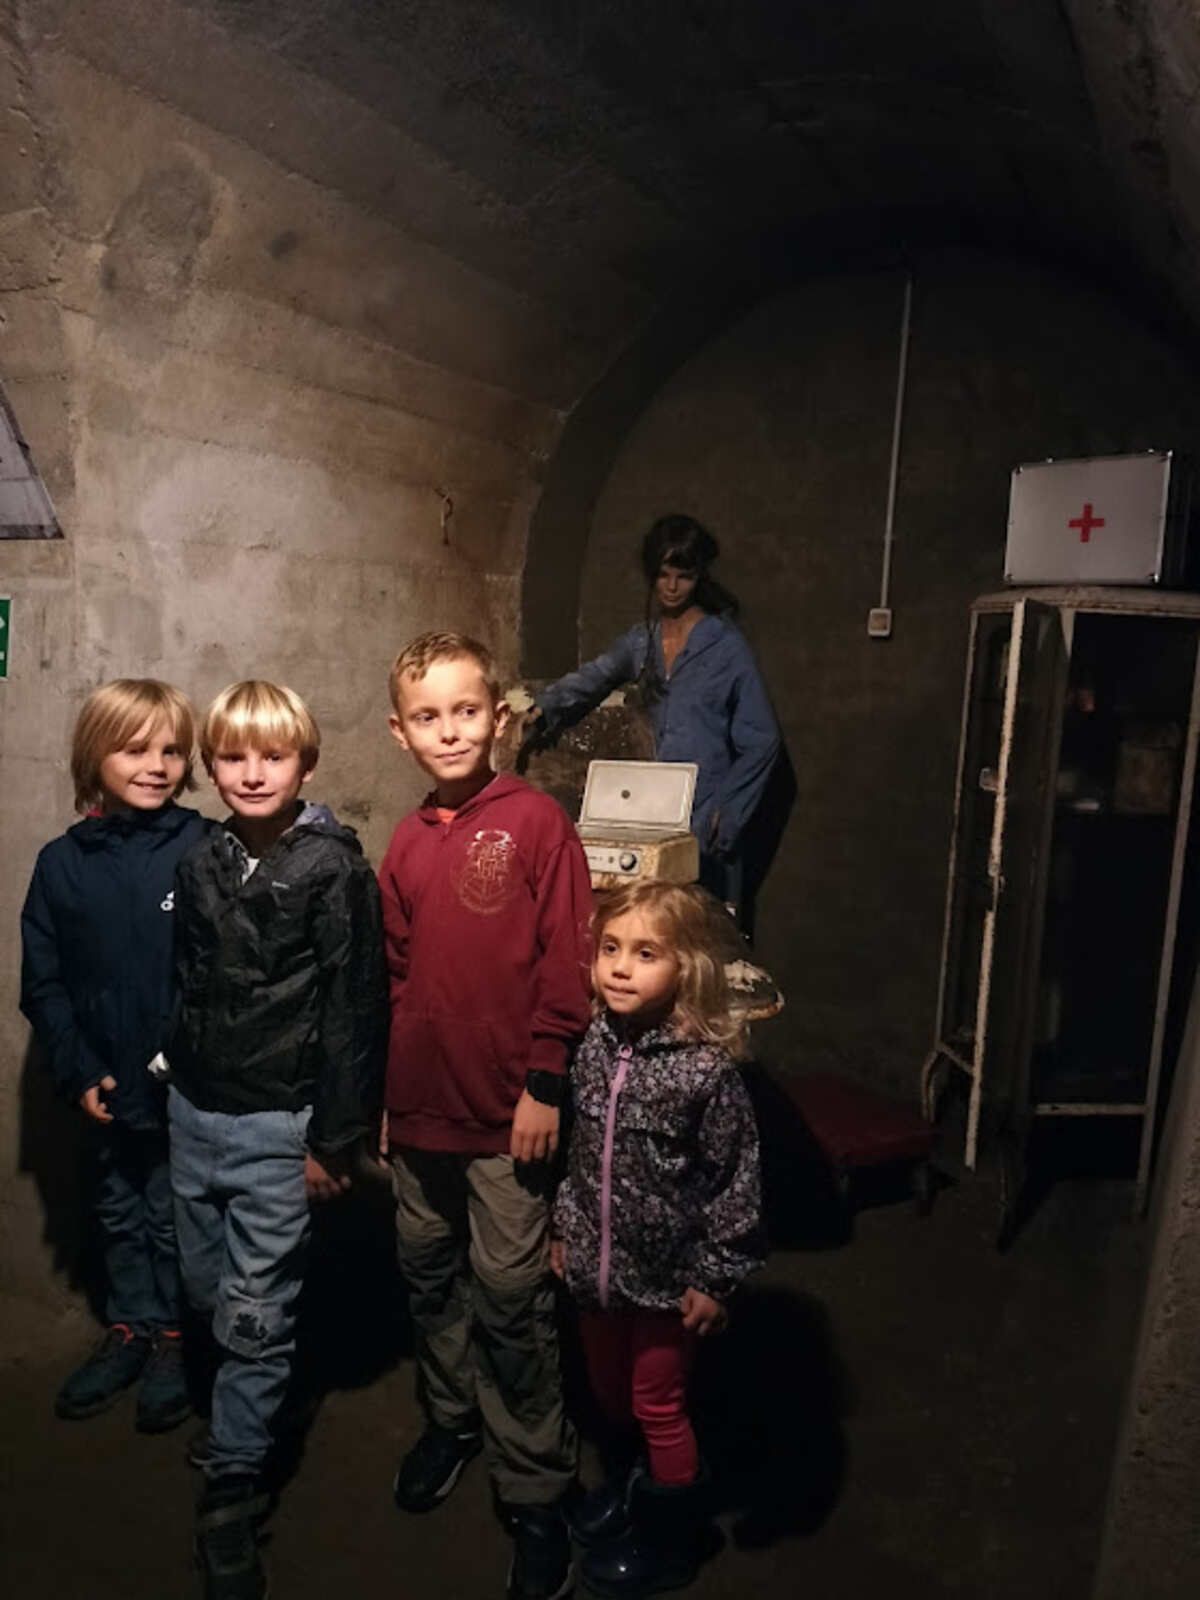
<point x="1031" y="722"/>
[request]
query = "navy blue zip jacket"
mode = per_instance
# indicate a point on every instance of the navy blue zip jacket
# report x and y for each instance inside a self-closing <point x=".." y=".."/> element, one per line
<point x="97" y="958"/>
<point x="713" y="710"/>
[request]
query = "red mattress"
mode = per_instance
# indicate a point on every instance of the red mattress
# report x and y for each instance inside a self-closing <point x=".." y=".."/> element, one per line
<point x="856" y="1127"/>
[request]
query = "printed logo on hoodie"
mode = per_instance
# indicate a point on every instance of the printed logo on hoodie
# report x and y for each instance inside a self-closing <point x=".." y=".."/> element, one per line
<point x="487" y="877"/>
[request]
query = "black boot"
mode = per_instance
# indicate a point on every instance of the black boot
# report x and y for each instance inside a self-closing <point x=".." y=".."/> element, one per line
<point x="672" y="1534"/>
<point x="541" y="1565"/>
<point x="606" y="1513"/>
<point x="227" y="1521"/>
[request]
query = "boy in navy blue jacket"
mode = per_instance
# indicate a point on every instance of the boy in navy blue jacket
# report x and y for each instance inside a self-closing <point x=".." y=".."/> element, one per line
<point x="96" y="982"/>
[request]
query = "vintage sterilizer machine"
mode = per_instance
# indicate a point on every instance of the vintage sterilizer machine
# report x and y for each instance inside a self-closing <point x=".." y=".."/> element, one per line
<point x="635" y="822"/>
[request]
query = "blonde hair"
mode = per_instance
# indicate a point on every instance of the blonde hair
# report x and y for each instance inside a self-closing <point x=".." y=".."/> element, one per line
<point x="695" y="929"/>
<point x="112" y="715"/>
<point x="415" y="660"/>
<point x="265" y="716"/>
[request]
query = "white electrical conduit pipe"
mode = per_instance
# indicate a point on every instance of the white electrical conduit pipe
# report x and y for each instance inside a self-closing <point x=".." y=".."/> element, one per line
<point x="885" y="580"/>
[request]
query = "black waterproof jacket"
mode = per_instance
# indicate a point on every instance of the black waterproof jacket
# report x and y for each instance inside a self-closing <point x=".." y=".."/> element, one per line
<point x="282" y="983"/>
<point x="96" y="969"/>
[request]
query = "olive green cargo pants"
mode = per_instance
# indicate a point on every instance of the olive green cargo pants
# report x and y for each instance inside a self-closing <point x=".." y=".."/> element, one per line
<point x="472" y="1242"/>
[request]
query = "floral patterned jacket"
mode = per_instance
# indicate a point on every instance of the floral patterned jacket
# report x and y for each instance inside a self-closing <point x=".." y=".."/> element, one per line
<point x="662" y="1191"/>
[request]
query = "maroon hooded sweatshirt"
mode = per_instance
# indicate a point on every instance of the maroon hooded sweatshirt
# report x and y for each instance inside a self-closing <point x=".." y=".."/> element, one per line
<point x="486" y="923"/>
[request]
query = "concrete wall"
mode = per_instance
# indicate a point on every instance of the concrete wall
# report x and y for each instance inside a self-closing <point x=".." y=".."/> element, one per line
<point x="248" y="391"/>
<point x="777" y="435"/>
<point x="1150" y="1548"/>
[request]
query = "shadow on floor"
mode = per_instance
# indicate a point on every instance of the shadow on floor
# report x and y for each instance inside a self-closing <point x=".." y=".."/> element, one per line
<point x="55" y="1149"/>
<point x="353" y="1323"/>
<point x="770" y="1396"/>
<point x="803" y="1208"/>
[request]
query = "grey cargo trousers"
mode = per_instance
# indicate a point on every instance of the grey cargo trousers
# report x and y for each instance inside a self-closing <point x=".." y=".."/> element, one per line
<point x="472" y="1242"/>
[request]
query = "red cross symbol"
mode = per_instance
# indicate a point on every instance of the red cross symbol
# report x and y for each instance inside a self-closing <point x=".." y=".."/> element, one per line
<point x="1086" y="523"/>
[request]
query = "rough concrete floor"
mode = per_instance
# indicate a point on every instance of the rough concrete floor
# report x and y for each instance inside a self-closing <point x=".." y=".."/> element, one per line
<point x="898" y="1410"/>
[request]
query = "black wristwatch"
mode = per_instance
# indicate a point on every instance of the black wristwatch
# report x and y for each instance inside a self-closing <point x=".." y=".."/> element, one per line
<point x="547" y="1088"/>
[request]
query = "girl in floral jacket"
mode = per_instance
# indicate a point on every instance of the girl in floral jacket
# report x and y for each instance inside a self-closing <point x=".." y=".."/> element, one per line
<point x="659" y="1218"/>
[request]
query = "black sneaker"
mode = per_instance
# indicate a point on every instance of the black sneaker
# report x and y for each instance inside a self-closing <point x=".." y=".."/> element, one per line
<point x="541" y="1565"/>
<point x="116" y="1362"/>
<point x="163" y="1399"/>
<point x="227" y="1540"/>
<point x="433" y="1466"/>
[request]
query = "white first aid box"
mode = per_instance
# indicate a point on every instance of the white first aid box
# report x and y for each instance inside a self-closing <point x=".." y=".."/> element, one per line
<point x="1104" y="519"/>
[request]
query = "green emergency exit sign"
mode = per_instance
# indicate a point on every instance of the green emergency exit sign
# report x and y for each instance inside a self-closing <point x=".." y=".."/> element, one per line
<point x="5" y="633"/>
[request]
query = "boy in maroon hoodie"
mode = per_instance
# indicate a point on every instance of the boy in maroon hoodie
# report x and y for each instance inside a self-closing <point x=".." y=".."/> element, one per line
<point x="486" y="906"/>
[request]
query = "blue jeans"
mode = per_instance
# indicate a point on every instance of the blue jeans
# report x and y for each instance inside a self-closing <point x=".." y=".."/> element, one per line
<point x="241" y="1213"/>
<point x="132" y="1190"/>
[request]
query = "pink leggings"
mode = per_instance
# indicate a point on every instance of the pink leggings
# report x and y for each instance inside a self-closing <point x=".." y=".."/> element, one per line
<point x="639" y="1362"/>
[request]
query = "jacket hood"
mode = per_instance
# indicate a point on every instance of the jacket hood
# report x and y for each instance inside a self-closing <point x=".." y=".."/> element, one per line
<point x="320" y="819"/>
<point x="94" y="831"/>
<point x="502" y="784"/>
<point x="663" y="1037"/>
<point x="313" y="819"/>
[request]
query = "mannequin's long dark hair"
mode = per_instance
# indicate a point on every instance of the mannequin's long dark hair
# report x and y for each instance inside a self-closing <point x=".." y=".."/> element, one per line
<point x="677" y="540"/>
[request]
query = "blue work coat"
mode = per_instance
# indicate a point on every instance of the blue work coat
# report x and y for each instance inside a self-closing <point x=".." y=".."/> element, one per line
<point x="97" y="952"/>
<point x="713" y="710"/>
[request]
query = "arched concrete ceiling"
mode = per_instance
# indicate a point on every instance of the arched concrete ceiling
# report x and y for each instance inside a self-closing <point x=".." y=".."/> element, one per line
<point x="625" y="163"/>
<point x="603" y="181"/>
<point x="659" y="142"/>
<point x="653" y="138"/>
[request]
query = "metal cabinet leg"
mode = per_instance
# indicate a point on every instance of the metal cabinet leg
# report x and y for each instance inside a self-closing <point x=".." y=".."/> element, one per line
<point x="935" y="1074"/>
<point x="923" y="1187"/>
<point x="1014" y="1179"/>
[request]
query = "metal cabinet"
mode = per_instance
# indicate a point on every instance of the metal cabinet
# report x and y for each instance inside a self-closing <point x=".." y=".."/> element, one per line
<point x="1072" y="808"/>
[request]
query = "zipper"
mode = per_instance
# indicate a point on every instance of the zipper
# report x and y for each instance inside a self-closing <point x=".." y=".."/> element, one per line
<point x="130" y="873"/>
<point x="625" y="1055"/>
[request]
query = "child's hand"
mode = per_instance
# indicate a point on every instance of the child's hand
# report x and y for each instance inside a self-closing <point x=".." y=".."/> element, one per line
<point x="92" y="1100"/>
<point x="701" y="1313"/>
<point x="324" y="1180"/>
<point x="534" y="1130"/>
<point x="558" y="1257"/>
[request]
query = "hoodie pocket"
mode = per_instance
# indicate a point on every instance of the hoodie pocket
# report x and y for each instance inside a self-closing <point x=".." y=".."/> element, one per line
<point x="457" y="1070"/>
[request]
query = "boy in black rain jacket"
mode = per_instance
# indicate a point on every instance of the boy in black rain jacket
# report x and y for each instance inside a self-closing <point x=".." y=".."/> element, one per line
<point x="276" y="1067"/>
